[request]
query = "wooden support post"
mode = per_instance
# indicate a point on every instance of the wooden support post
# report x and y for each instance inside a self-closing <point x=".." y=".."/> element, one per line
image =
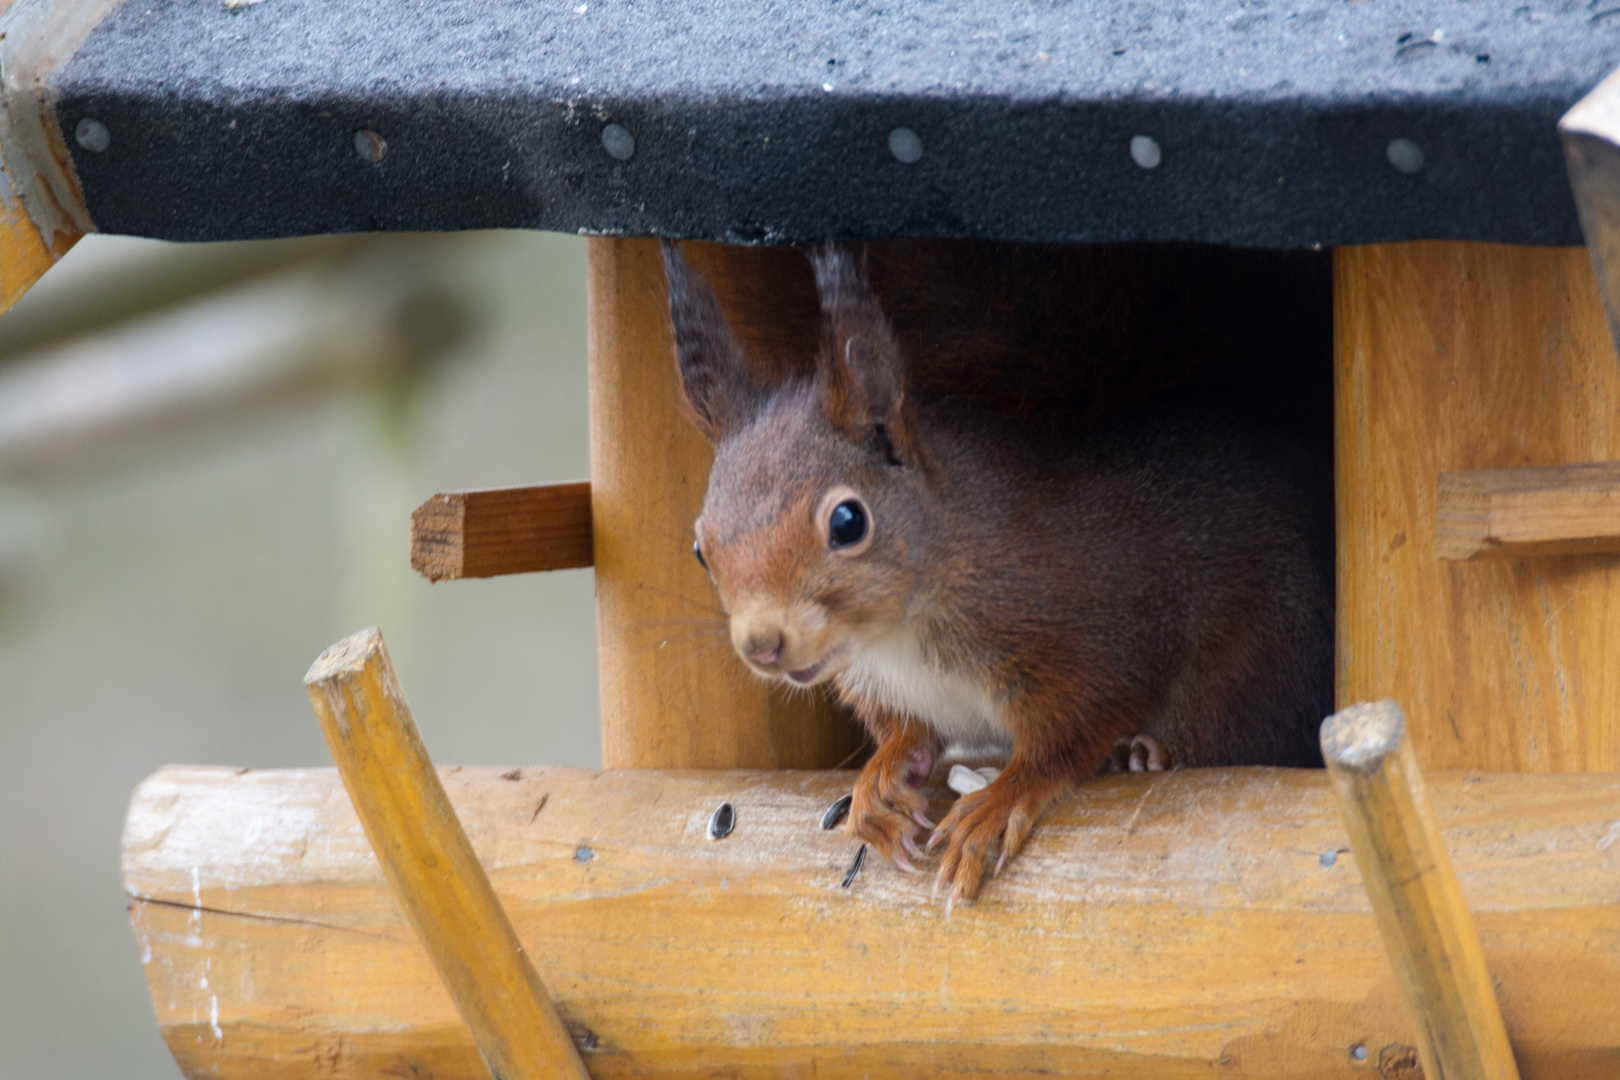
<point x="1460" y="357"/>
<point x="431" y="867"/>
<point x="1426" y="927"/>
<point x="519" y="530"/>
<point x="674" y="695"/>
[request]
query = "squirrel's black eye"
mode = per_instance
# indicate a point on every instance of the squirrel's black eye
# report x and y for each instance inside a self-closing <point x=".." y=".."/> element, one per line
<point x="847" y="524"/>
<point x="697" y="553"/>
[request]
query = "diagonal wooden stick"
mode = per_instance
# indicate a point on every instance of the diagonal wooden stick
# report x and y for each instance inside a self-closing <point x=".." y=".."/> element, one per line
<point x="430" y="865"/>
<point x="1427" y="930"/>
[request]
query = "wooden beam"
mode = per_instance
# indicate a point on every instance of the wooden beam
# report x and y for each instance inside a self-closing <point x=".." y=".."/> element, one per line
<point x="1165" y="925"/>
<point x="674" y="695"/>
<point x="495" y="531"/>
<point x="1415" y="896"/>
<point x="1453" y="357"/>
<point x="42" y="213"/>
<point x="430" y="866"/>
<point x="1519" y="513"/>
<point x="24" y="257"/>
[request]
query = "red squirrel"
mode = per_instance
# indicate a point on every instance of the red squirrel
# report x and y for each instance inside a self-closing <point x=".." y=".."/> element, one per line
<point x="959" y="578"/>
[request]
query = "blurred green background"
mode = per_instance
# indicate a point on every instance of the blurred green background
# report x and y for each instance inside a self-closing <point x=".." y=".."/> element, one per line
<point x="208" y="459"/>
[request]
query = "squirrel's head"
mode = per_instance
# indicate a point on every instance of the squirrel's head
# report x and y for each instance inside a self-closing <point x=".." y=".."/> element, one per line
<point x="810" y="525"/>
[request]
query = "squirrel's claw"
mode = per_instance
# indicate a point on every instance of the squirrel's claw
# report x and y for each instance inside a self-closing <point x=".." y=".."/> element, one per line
<point x="995" y="820"/>
<point x="888" y="806"/>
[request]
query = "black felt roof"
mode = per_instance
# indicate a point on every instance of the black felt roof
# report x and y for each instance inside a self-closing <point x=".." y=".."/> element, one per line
<point x="1273" y="123"/>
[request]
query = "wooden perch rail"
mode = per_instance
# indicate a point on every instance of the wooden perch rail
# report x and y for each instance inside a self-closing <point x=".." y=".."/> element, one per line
<point x="475" y="534"/>
<point x="1515" y="513"/>
<point x="1156" y="926"/>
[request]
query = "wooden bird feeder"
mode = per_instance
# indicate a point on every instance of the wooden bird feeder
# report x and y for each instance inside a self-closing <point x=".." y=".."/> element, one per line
<point x="1263" y="922"/>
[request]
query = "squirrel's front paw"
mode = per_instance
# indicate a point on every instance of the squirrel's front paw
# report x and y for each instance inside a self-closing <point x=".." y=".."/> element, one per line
<point x="998" y="817"/>
<point x="888" y="807"/>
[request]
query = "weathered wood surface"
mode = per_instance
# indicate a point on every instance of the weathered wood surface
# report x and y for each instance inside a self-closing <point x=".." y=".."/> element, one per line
<point x="42" y="212"/>
<point x="1413" y="889"/>
<point x="431" y="868"/>
<point x="1458" y="357"/>
<point x="674" y="694"/>
<point x="1157" y="926"/>
<point x="24" y="256"/>
<point x="495" y="531"/>
<point x="1519" y="513"/>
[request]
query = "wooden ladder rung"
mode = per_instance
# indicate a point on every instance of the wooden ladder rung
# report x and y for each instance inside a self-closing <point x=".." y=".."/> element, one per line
<point x="1514" y="513"/>
<point x="495" y="531"/>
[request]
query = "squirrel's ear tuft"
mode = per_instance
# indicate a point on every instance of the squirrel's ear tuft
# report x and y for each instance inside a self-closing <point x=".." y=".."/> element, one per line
<point x="863" y="378"/>
<point x="720" y="395"/>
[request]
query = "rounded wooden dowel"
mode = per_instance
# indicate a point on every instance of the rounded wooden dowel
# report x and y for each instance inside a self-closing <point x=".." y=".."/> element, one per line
<point x="431" y="866"/>
<point x="1415" y="897"/>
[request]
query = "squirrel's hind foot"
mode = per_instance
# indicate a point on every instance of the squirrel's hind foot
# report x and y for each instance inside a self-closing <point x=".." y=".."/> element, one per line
<point x="1139" y="753"/>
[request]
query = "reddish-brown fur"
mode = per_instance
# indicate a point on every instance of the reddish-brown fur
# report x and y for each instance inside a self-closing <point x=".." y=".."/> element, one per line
<point x="1045" y="585"/>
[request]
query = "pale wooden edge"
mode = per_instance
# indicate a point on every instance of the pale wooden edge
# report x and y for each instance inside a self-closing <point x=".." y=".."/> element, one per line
<point x="437" y="535"/>
<point x="1590" y="132"/>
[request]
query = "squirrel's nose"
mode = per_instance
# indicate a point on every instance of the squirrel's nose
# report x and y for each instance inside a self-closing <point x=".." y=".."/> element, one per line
<point x="763" y="649"/>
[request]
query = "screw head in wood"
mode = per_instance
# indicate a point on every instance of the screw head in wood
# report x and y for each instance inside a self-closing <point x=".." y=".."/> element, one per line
<point x="906" y="145"/>
<point x="1145" y="151"/>
<point x="618" y="142"/>
<point x="370" y="146"/>
<point x="1404" y="154"/>
<point x="93" y="135"/>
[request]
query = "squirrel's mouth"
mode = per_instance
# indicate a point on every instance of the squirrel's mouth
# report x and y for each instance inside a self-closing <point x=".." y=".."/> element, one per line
<point x="806" y="676"/>
<point x="819" y="671"/>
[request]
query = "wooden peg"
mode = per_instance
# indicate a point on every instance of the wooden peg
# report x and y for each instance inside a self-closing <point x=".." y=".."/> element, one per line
<point x="431" y="867"/>
<point x="1418" y="904"/>
<point x="518" y="530"/>
<point x="1515" y="513"/>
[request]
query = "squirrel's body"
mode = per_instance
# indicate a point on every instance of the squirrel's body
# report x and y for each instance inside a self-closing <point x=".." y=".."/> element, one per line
<point x="961" y="579"/>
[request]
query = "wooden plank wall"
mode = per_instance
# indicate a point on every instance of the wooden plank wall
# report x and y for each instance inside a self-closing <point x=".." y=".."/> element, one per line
<point x="1459" y="357"/>
<point x="674" y="693"/>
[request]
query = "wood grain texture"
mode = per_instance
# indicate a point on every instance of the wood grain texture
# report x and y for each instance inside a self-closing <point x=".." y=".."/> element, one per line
<point x="1164" y="926"/>
<point x="1453" y="357"/>
<point x="431" y="868"/>
<point x="1415" y="897"/>
<point x="674" y="694"/>
<point x="495" y="531"/>
<point x="1523" y="513"/>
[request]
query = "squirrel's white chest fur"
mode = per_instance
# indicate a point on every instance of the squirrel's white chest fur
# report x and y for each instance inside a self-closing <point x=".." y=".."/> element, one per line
<point x="893" y="674"/>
